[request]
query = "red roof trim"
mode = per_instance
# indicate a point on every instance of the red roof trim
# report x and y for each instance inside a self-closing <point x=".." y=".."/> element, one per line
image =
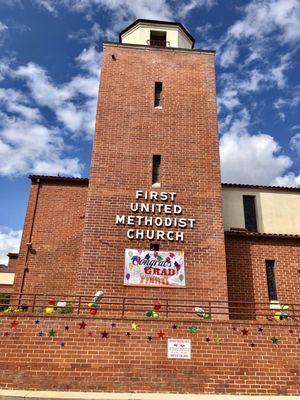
<point x="261" y="235"/>
<point x="261" y="187"/>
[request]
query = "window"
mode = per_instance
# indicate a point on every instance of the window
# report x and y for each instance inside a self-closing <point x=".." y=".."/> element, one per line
<point x="270" y="271"/>
<point x="157" y="94"/>
<point x="250" y="213"/>
<point x="158" y="38"/>
<point x="154" y="247"/>
<point x="155" y="169"/>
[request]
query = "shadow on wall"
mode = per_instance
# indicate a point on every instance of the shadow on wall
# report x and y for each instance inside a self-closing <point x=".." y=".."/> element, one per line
<point x="239" y="279"/>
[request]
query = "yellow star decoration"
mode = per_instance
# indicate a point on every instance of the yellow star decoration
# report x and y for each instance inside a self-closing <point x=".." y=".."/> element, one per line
<point x="134" y="326"/>
<point x="217" y="339"/>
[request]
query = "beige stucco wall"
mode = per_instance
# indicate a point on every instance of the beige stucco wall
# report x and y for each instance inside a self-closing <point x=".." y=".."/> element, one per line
<point x="276" y="211"/>
<point x="7" y="278"/>
<point x="140" y="33"/>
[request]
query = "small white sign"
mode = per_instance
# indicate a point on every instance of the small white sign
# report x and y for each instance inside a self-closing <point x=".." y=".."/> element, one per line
<point x="179" y="348"/>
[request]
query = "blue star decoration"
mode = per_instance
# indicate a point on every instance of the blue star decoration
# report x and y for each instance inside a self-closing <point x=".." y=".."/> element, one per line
<point x="40" y="333"/>
<point x="62" y="344"/>
<point x="128" y="334"/>
<point x="274" y="339"/>
<point x="36" y="322"/>
<point x="149" y="338"/>
<point x="113" y="325"/>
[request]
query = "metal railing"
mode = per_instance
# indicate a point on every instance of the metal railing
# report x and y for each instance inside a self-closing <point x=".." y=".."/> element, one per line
<point x="158" y="43"/>
<point x="125" y="307"/>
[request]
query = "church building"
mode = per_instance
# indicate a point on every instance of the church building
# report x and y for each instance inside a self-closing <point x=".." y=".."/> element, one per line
<point x="153" y="220"/>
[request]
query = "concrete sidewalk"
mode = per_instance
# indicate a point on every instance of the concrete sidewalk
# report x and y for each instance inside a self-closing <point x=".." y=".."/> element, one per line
<point x="49" y="395"/>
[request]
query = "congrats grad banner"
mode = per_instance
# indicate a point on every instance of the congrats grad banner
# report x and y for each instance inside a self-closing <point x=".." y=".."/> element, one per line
<point x="154" y="268"/>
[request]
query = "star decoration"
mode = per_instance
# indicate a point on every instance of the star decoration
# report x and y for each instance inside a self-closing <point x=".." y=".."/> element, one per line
<point x="113" y="325"/>
<point x="174" y="326"/>
<point x="161" y="334"/>
<point x="193" y="329"/>
<point x="244" y="332"/>
<point x="128" y="334"/>
<point x="234" y="328"/>
<point x="217" y="340"/>
<point x="62" y="344"/>
<point x="252" y="344"/>
<point x="6" y="334"/>
<point x="82" y="325"/>
<point x="291" y="331"/>
<point x="90" y="334"/>
<point x="67" y="328"/>
<point x="134" y="326"/>
<point x="274" y="339"/>
<point x="40" y="333"/>
<point x="260" y="329"/>
<point x="36" y="322"/>
<point x="149" y="338"/>
<point x="104" y="334"/>
<point x="14" y="324"/>
<point x="207" y="339"/>
<point x="52" y="332"/>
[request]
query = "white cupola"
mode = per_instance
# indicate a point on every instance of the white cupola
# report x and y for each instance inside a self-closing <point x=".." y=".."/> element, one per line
<point x="157" y="33"/>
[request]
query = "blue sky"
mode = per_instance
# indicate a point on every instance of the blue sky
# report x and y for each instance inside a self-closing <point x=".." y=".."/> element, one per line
<point x="50" y="57"/>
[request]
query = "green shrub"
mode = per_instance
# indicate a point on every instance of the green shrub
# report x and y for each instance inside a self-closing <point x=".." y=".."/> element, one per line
<point x="4" y="301"/>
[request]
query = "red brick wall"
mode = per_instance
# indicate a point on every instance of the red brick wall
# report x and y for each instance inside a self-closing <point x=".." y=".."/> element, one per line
<point x="5" y="289"/>
<point x="246" y="272"/>
<point x="240" y="364"/>
<point x="129" y="130"/>
<point x="12" y="262"/>
<point x="56" y="237"/>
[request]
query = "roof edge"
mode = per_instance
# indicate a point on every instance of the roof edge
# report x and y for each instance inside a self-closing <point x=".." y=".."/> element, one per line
<point x="49" y="178"/>
<point x="261" y="235"/>
<point x="268" y="187"/>
<point x="146" y="46"/>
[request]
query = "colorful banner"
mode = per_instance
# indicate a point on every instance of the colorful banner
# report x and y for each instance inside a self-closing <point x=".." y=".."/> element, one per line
<point x="154" y="268"/>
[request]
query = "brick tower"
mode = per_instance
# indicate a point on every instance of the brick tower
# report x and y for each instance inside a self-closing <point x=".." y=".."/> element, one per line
<point x="155" y="175"/>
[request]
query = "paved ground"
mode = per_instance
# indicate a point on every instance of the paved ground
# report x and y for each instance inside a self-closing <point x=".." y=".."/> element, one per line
<point x="47" y="395"/>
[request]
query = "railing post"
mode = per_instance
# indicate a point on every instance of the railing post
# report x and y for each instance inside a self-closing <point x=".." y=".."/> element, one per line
<point x="123" y="307"/>
<point x="209" y="308"/>
<point x="79" y="304"/>
<point x="33" y="303"/>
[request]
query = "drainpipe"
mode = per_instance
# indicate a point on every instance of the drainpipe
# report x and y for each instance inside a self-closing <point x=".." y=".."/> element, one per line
<point x="29" y="244"/>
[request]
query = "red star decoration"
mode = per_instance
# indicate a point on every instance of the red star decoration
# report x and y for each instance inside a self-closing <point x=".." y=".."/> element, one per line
<point x="104" y="334"/>
<point x="14" y="324"/>
<point x="161" y="334"/>
<point x="245" y="332"/>
<point x="157" y="307"/>
<point x="82" y="325"/>
<point x="6" y="334"/>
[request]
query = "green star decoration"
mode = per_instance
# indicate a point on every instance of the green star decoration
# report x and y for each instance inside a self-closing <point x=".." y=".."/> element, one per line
<point x="274" y="339"/>
<point x="52" y="332"/>
<point x="193" y="329"/>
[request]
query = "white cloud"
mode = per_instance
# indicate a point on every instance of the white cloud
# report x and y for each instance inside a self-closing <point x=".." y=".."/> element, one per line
<point x="65" y="100"/>
<point x="263" y="17"/>
<point x="189" y="6"/>
<point x="295" y="143"/>
<point x="27" y="146"/>
<point x="28" y="143"/>
<point x="3" y="27"/>
<point x="9" y="242"/>
<point x="253" y="159"/>
<point x="229" y="55"/>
